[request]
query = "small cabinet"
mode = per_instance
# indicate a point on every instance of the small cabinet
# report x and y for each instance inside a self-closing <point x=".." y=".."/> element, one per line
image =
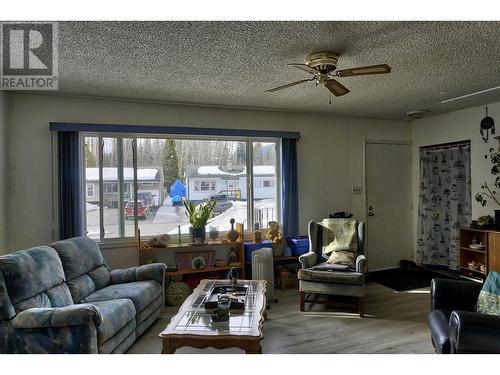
<point x="473" y="253"/>
<point x="494" y="251"/>
<point x="479" y="253"/>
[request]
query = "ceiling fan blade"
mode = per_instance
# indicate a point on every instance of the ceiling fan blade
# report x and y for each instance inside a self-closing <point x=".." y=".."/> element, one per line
<point x="336" y="88"/>
<point x="364" y="70"/>
<point x="289" y="85"/>
<point x="304" y="67"/>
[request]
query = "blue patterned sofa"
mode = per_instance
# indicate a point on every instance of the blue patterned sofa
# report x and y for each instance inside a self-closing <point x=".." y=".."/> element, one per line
<point x="62" y="298"/>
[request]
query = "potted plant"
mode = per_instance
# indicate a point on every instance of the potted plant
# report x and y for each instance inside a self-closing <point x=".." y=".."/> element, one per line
<point x="198" y="216"/>
<point x="489" y="191"/>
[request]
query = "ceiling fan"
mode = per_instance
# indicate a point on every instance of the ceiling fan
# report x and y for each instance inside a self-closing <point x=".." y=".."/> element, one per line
<point x="322" y="65"/>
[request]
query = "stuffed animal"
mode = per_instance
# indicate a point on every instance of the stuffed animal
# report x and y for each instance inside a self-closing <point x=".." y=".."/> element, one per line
<point x="273" y="233"/>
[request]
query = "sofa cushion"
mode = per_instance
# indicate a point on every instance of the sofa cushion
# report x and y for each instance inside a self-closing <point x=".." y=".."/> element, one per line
<point x="142" y="293"/>
<point x="78" y="255"/>
<point x="84" y="266"/>
<point x="338" y="277"/>
<point x="116" y="314"/>
<point x="6" y="309"/>
<point x="28" y="273"/>
<point x="440" y="329"/>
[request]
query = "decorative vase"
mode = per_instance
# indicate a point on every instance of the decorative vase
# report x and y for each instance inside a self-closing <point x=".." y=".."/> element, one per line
<point x="197" y="233"/>
<point x="232" y="234"/>
<point x="497" y="219"/>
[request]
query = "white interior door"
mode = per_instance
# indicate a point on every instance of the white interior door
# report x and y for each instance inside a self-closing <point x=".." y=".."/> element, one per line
<point x="388" y="204"/>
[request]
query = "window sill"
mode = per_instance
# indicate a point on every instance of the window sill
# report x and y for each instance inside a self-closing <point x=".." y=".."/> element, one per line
<point x="117" y="243"/>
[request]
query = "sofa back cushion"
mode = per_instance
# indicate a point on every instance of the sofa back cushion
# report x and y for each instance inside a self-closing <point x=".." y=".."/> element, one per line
<point x="34" y="278"/>
<point x="6" y="309"/>
<point x="84" y="266"/>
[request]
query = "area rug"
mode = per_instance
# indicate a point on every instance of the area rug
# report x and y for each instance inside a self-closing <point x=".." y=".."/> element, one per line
<point x="401" y="279"/>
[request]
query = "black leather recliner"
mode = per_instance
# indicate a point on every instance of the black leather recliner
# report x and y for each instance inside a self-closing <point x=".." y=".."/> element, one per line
<point x="454" y="324"/>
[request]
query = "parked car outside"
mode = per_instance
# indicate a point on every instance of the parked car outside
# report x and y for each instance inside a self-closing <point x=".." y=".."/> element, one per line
<point x="142" y="210"/>
<point x="222" y="203"/>
<point x="146" y="197"/>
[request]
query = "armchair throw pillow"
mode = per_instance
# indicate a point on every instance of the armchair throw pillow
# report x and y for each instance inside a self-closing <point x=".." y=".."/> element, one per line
<point x="489" y="297"/>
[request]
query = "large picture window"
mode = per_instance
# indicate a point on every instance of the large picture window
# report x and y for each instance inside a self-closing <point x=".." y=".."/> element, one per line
<point x="140" y="183"/>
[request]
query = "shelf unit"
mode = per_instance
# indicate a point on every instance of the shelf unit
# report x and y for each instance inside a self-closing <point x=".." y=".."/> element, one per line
<point x="160" y="254"/>
<point x="489" y="256"/>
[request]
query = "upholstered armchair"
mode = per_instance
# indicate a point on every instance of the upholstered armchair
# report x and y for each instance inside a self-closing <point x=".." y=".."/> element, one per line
<point x="317" y="277"/>
<point x="454" y="324"/>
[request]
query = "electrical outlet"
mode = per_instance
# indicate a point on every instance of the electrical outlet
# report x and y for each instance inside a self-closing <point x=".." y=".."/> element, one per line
<point x="356" y="189"/>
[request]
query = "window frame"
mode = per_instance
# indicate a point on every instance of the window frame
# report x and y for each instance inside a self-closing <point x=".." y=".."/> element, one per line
<point x="249" y="143"/>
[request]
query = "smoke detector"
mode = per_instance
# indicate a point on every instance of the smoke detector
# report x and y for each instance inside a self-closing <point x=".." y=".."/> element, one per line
<point x="417" y="114"/>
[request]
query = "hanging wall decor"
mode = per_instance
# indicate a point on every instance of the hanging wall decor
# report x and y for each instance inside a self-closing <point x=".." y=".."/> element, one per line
<point x="487" y="123"/>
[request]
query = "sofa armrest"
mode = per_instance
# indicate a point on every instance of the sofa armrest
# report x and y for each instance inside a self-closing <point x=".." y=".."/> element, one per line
<point x="472" y="332"/>
<point x="361" y="264"/>
<point x="72" y="315"/>
<point x="454" y="294"/>
<point x="308" y="260"/>
<point x="153" y="271"/>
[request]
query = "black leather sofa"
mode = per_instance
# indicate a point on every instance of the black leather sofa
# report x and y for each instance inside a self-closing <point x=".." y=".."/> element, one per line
<point x="454" y="324"/>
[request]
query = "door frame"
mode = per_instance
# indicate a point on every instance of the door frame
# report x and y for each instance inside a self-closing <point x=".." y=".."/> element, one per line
<point x="411" y="250"/>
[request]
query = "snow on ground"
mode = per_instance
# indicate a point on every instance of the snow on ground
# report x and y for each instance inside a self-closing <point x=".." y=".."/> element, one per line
<point x="238" y="212"/>
<point x="91" y="207"/>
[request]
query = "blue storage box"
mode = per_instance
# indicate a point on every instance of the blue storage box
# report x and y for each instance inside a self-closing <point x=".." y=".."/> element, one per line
<point x="251" y="247"/>
<point x="299" y="245"/>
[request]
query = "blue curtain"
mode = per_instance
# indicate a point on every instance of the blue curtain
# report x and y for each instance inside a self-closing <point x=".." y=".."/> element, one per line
<point x="70" y="205"/>
<point x="289" y="186"/>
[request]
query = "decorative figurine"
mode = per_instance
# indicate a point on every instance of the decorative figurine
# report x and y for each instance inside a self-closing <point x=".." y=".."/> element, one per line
<point x="232" y="234"/>
<point x="232" y="257"/>
<point x="487" y="123"/>
<point x="213" y="233"/>
<point x="159" y="241"/>
<point x="240" y="228"/>
<point x="233" y="277"/>
<point x="257" y="236"/>
<point x="273" y="234"/>
<point x="221" y="313"/>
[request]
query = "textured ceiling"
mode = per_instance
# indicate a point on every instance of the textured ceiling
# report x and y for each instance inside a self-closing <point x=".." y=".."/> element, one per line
<point x="233" y="63"/>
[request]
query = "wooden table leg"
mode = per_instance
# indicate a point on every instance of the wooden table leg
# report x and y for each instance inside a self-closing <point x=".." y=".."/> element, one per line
<point x="254" y="348"/>
<point x="167" y="347"/>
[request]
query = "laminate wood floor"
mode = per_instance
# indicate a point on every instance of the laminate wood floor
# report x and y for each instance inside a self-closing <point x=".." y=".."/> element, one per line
<point x="395" y="322"/>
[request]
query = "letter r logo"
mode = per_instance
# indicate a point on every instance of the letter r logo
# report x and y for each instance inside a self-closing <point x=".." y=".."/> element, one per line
<point x="27" y="49"/>
<point x="35" y="40"/>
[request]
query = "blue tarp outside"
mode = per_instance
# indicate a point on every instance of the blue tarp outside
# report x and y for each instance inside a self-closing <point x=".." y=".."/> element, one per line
<point x="177" y="192"/>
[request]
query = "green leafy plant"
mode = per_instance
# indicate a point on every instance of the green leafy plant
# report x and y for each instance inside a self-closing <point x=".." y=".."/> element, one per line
<point x="487" y="190"/>
<point x="198" y="215"/>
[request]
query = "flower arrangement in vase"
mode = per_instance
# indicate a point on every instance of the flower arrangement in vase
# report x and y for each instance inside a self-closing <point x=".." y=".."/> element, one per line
<point x="198" y="216"/>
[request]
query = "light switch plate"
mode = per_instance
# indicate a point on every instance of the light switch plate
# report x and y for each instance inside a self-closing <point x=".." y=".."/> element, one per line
<point x="356" y="189"/>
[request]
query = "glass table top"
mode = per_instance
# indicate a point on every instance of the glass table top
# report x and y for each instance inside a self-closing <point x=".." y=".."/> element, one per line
<point x="194" y="318"/>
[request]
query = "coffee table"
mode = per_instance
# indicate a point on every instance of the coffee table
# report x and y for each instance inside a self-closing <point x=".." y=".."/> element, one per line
<point x="192" y="325"/>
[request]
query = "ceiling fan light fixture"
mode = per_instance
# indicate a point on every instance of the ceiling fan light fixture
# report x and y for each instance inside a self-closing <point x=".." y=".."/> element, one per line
<point x="417" y="114"/>
<point x="323" y="61"/>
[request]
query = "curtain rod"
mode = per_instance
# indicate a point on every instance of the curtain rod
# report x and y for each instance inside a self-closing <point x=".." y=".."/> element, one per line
<point x="175" y="130"/>
<point x="445" y="145"/>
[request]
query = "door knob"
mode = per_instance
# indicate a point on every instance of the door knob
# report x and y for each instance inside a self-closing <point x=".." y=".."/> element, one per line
<point x="371" y="213"/>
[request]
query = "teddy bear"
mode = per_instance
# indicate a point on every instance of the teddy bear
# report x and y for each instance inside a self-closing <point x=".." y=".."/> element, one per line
<point x="273" y="233"/>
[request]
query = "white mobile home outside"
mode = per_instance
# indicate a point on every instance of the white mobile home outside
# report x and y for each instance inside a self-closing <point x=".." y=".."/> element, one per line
<point x="204" y="181"/>
<point x="149" y="180"/>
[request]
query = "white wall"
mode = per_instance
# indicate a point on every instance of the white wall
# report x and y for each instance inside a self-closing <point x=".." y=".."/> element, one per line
<point x="329" y="153"/>
<point x="4" y="241"/>
<point x="451" y="127"/>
